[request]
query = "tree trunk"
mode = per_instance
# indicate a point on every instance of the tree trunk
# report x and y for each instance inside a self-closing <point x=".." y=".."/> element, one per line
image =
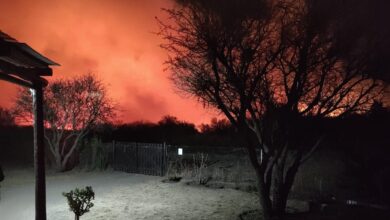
<point x="263" y="196"/>
<point x="71" y="150"/>
<point x="58" y="164"/>
<point x="278" y="193"/>
<point x="279" y="202"/>
<point x="282" y="186"/>
<point x="76" y="217"/>
<point x="263" y="193"/>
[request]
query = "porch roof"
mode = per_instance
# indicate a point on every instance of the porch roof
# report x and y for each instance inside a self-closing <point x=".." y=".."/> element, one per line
<point x="19" y="63"/>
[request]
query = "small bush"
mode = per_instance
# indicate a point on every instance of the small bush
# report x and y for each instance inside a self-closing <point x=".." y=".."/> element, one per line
<point x="200" y="169"/>
<point x="177" y="170"/>
<point x="79" y="200"/>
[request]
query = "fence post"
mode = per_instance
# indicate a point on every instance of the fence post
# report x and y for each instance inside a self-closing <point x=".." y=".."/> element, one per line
<point x="113" y="155"/>
<point x="162" y="159"/>
<point x="136" y="158"/>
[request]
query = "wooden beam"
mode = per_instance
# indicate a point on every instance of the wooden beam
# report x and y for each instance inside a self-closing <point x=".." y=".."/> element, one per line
<point x="28" y="73"/>
<point x="32" y="79"/>
<point x="15" y="80"/>
<point x="4" y="48"/>
<point x="39" y="153"/>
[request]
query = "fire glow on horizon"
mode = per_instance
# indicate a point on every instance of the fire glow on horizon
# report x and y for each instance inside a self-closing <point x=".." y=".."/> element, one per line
<point x="112" y="39"/>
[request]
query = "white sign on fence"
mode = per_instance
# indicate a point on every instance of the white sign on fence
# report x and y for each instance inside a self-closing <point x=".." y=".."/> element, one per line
<point x="180" y="151"/>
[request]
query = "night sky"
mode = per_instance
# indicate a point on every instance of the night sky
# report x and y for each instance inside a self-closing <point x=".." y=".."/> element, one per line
<point x="114" y="40"/>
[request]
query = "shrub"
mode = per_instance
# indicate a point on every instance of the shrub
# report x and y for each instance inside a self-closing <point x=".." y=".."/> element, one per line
<point x="79" y="200"/>
<point x="200" y="168"/>
<point x="177" y="170"/>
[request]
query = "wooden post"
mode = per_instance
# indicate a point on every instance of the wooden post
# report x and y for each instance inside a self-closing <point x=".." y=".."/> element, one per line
<point x="162" y="159"/>
<point x="39" y="153"/>
<point x="136" y="158"/>
<point x="113" y="155"/>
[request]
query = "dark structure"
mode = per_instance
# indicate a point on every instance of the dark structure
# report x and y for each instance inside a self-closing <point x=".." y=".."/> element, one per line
<point x="22" y="65"/>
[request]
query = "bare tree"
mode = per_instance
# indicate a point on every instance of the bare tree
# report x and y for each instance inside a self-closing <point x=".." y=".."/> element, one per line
<point x="273" y="68"/>
<point x="71" y="109"/>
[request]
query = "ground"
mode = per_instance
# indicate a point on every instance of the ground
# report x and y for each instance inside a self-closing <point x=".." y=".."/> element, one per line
<point x="229" y="192"/>
<point x="121" y="196"/>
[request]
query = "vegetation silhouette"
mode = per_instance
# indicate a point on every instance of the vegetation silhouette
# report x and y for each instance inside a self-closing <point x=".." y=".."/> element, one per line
<point x="79" y="200"/>
<point x="274" y="69"/>
<point x="71" y="109"/>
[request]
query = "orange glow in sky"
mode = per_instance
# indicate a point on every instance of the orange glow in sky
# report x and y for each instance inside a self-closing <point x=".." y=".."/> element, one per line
<point x="111" y="38"/>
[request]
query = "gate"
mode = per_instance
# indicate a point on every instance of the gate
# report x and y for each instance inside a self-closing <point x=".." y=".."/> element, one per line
<point x="142" y="158"/>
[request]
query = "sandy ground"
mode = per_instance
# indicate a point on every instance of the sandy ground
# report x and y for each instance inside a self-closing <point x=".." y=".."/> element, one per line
<point x="121" y="196"/>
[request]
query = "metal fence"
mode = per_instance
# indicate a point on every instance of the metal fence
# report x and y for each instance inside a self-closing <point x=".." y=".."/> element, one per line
<point x="142" y="158"/>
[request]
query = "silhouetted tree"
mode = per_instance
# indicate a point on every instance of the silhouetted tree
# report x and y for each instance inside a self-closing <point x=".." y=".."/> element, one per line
<point x="169" y="129"/>
<point x="71" y="109"/>
<point x="222" y="127"/>
<point x="6" y="118"/>
<point x="364" y="141"/>
<point x="138" y="131"/>
<point x="379" y="111"/>
<point x="273" y="68"/>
